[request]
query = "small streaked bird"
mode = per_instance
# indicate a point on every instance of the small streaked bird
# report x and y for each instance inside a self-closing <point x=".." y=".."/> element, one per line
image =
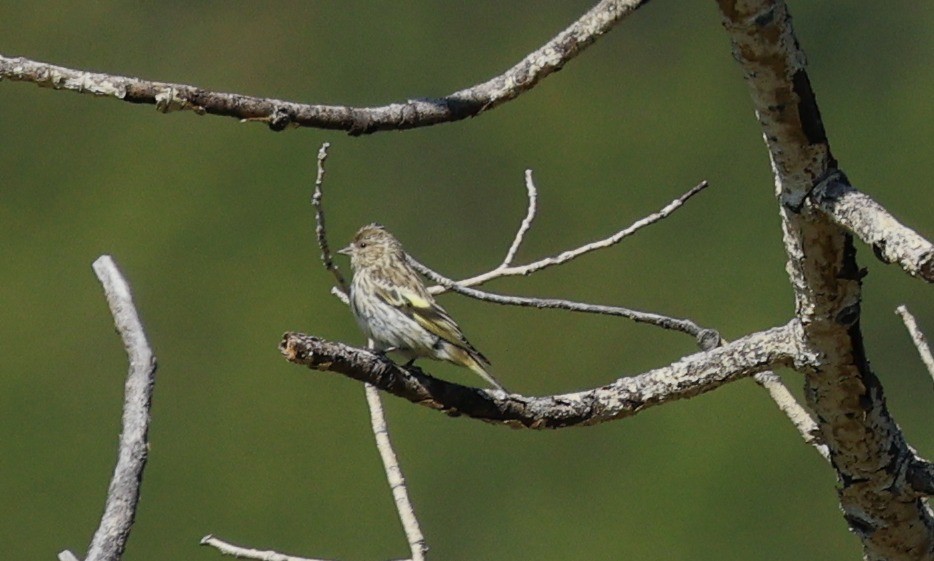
<point x="396" y="311"/>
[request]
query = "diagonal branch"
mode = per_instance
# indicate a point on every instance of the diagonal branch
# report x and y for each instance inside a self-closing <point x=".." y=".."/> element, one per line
<point x="110" y="539"/>
<point x="665" y="322"/>
<point x="690" y="376"/>
<point x="891" y="241"/>
<point x="279" y="114"/>
<point x="917" y="337"/>
<point x="505" y="270"/>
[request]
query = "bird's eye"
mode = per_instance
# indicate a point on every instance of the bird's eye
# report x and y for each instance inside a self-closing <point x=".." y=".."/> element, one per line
<point x="361" y="245"/>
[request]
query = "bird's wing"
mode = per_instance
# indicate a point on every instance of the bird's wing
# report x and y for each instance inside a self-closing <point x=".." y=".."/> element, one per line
<point x="427" y="313"/>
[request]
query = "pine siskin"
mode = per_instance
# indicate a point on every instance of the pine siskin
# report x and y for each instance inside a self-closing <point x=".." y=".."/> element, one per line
<point x="396" y="311"/>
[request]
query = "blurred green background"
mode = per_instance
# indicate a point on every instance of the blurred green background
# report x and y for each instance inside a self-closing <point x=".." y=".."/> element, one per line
<point x="210" y="221"/>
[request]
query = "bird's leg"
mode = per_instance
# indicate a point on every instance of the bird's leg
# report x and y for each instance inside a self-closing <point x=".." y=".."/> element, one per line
<point x="384" y="352"/>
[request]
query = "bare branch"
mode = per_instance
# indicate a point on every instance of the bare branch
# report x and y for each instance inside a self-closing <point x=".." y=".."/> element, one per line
<point x="509" y="271"/>
<point x="321" y="232"/>
<point x="396" y="483"/>
<point x="690" y="376"/>
<point x="707" y="339"/>
<point x="917" y="336"/>
<point x="665" y="322"/>
<point x="110" y="539"/>
<point x="526" y="222"/>
<point x="400" y="494"/>
<point x="246" y="553"/>
<point x="891" y="241"/>
<point x="279" y="114"/>
<point x="798" y="416"/>
<point x="867" y="448"/>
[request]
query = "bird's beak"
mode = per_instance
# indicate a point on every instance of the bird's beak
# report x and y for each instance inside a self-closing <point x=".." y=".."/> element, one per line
<point x="346" y="251"/>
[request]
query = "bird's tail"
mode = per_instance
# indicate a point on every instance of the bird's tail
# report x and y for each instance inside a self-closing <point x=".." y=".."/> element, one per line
<point x="479" y="364"/>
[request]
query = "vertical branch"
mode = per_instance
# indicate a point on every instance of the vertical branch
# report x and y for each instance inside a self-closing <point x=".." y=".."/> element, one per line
<point x="400" y="494"/>
<point x="110" y="539"/>
<point x="526" y="222"/>
<point x="321" y="232"/>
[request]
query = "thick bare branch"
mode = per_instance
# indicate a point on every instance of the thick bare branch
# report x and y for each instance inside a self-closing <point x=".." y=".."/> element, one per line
<point x="280" y="115"/>
<point x="110" y="539"/>
<point x="891" y="241"/>
<point x="867" y="448"/>
<point x="690" y="376"/>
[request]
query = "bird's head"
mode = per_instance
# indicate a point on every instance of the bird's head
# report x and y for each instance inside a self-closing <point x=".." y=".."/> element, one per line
<point x="372" y="245"/>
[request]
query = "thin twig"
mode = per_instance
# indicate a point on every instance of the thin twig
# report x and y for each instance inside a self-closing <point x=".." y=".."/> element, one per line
<point x="391" y="467"/>
<point x="247" y="553"/>
<point x="110" y="539"/>
<point x="400" y="494"/>
<point x="320" y="229"/>
<point x="676" y="324"/>
<point x="526" y="222"/>
<point x="917" y="336"/>
<point x="509" y="271"/>
<point x="797" y="414"/>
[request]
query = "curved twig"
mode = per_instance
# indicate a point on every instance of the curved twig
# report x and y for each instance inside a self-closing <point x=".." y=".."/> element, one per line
<point x="321" y="233"/>
<point x="526" y="222"/>
<point x="110" y="538"/>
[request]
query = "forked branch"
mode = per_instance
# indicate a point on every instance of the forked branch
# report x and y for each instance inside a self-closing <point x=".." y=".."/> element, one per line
<point x="508" y="270"/>
<point x="707" y="339"/>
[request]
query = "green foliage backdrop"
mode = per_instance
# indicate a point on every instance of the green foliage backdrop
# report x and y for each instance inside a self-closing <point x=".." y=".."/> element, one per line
<point x="210" y="221"/>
